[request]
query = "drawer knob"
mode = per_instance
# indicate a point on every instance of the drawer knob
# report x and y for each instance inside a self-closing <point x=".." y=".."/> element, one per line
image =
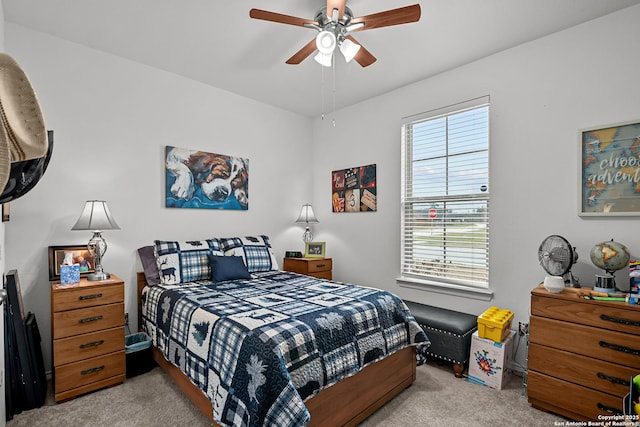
<point x="320" y="265"/>
<point x="620" y="320"/>
<point x="90" y="319"/>
<point x="96" y="343"/>
<point x="614" y="380"/>
<point x="621" y="348"/>
<point x="92" y="296"/>
<point x="92" y="370"/>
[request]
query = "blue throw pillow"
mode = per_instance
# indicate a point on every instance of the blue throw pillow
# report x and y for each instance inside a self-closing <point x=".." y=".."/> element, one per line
<point x="228" y="268"/>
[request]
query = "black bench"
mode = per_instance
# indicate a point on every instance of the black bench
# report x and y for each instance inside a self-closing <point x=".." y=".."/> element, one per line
<point x="449" y="332"/>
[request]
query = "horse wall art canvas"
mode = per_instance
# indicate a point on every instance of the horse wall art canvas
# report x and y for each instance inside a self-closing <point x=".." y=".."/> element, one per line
<point x="201" y="180"/>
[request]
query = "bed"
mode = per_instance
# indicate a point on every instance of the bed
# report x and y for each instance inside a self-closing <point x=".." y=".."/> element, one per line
<point x="253" y="345"/>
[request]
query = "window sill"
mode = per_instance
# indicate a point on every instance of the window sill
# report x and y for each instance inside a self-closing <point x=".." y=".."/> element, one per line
<point x="446" y="288"/>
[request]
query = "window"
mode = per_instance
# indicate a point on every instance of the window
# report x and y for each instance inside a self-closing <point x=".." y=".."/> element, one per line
<point x="445" y="196"/>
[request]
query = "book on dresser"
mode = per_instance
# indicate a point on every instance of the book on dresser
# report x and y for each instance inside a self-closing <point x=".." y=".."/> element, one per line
<point x="582" y="354"/>
<point x="87" y="323"/>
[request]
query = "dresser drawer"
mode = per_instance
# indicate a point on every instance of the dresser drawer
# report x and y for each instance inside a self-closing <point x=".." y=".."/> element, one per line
<point x="611" y="346"/>
<point x="569" y="399"/>
<point x="76" y="322"/>
<point x="587" y="371"/>
<point x="88" y="371"/>
<point x="607" y="315"/>
<point x="83" y="297"/>
<point x="317" y="265"/>
<point x="322" y="274"/>
<point x="79" y="347"/>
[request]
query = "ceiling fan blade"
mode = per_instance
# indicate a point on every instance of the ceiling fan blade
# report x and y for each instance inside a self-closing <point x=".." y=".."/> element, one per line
<point x="402" y="15"/>
<point x="303" y="53"/>
<point x="363" y="57"/>
<point x="265" y="15"/>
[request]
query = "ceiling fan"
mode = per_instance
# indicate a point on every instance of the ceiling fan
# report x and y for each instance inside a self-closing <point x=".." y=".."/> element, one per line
<point x="334" y="24"/>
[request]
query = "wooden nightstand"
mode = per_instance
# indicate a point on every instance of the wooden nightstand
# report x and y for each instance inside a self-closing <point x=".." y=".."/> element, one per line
<point x="87" y="328"/>
<point x="316" y="267"/>
<point x="582" y="354"/>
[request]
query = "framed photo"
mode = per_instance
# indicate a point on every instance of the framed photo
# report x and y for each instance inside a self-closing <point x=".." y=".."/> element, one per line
<point x="80" y="255"/>
<point x="314" y="249"/>
<point x="610" y="170"/>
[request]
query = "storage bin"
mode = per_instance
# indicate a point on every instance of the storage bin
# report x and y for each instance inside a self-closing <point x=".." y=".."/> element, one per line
<point x="495" y="324"/>
<point x="490" y="361"/>
<point x="138" y="352"/>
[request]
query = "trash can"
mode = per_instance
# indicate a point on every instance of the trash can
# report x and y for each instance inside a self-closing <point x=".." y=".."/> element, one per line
<point x="138" y="353"/>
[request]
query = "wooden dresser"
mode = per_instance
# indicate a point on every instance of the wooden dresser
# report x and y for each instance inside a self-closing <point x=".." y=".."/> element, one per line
<point x="87" y="327"/>
<point x="316" y="267"/>
<point x="582" y="354"/>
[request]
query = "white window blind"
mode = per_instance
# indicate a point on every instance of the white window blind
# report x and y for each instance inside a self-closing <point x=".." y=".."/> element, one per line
<point x="445" y="196"/>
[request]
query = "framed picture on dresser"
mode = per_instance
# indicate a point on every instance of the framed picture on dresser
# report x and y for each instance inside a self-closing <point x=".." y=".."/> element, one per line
<point x="79" y="254"/>
<point x="314" y="249"/>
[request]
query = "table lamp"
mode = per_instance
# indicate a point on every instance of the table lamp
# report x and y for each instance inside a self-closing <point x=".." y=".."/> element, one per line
<point x="96" y="217"/>
<point x="307" y="217"/>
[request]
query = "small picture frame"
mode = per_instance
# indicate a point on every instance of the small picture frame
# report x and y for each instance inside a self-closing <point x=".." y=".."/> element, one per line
<point x="80" y="255"/>
<point x="314" y="249"/>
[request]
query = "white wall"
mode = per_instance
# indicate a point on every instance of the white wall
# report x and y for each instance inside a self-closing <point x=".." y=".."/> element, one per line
<point x="112" y="119"/>
<point x="541" y="93"/>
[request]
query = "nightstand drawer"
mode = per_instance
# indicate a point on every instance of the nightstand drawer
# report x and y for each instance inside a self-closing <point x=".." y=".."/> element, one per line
<point x="619" y="318"/>
<point x="83" y="297"/>
<point x="610" y="346"/>
<point x="582" y="403"/>
<point x="76" y="322"/>
<point x="317" y="265"/>
<point x="72" y="349"/>
<point x="88" y="371"/>
<point x="587" y="371"/>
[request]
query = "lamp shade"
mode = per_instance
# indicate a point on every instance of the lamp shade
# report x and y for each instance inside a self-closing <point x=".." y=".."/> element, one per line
<point x="323" y="59"/>
<point x="326" y="42"/>
<point x="349" y="49"/>
<point x="307" y="215"/>
<point x="95" y="216"/>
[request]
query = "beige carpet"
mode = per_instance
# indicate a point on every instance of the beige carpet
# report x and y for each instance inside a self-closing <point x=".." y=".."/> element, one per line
<point x="437" y="398"/>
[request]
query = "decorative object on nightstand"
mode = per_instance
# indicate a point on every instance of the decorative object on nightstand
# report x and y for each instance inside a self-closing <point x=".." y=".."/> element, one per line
<point x="314" y="249"/>
<point x="610" y="256"/>
<point x="316" y="267"/>
<point x="96" y="217"/>
<point x="557" y="256"/>
<point x="87" y="327"/>
<point x="307" y="217"/>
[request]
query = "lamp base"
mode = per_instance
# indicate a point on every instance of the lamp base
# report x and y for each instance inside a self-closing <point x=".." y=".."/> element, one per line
<point x="98" y="276"/>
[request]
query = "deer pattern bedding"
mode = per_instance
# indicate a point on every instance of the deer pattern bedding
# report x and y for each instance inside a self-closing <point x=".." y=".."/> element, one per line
<point x="259" y="348"/>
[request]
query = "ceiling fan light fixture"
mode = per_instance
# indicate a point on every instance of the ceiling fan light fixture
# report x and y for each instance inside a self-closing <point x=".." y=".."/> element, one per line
<point x="326" y="42"/>
<point x="349" y="49"/>
<point x="323" y="59"/>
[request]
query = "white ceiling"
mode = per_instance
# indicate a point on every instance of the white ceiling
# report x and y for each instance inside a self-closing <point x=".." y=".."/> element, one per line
<point x="216" y="42"/>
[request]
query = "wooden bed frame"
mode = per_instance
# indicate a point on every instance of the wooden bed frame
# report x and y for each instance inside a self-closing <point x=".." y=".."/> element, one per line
<point x="346" y="403"/>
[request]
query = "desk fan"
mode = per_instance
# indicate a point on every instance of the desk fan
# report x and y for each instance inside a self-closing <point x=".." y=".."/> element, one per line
<point x="556" y="256"/>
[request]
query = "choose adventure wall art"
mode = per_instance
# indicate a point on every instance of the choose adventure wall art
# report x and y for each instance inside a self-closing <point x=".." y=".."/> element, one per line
<point x="201" y="180"/>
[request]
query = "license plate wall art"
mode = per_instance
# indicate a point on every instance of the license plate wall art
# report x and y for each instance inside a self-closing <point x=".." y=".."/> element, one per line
<point x="201" y="180"/>
<point x="354" y="189"/>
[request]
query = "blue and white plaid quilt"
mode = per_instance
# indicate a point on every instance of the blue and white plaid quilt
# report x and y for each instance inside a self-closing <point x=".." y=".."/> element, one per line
<point x="259" y="348"/>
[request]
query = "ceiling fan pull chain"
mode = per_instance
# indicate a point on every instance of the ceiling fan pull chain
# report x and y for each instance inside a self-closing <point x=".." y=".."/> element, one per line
<point x="323" y="90"/>
<point x="333" y="71"/>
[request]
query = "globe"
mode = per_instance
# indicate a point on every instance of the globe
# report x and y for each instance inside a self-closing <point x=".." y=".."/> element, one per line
<point x="610" y="256"/>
